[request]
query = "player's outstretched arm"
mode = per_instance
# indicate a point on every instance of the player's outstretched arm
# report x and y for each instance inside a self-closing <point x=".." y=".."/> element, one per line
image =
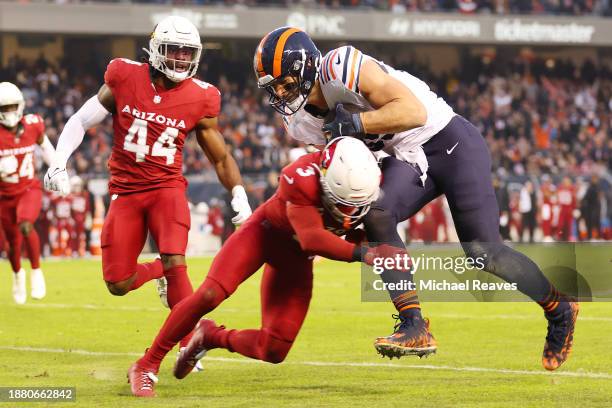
<point x="89" y="115"/>
<point x="214" y="147"/>
<point x="314" y="239"/>
<point x="397" y="109"/>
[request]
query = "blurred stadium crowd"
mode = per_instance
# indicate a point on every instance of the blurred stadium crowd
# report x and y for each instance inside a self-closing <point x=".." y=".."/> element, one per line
<point x="559" y="7"/>
<point x="547" y="123"/>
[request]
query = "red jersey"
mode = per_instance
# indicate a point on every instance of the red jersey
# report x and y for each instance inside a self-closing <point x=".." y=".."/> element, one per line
<point x="566" y="197"/>
<point x="299" y="184"/>
<point x="80" y="205"/>
<point x="62" y="207"/>
<point x="150" y="125"/>
<point x="21" y="147"/>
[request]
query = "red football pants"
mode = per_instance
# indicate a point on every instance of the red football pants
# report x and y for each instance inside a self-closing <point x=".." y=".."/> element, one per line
<point x="14" y="211"/>
<point x="286" y="289"/>
<point x="164" y="212"/>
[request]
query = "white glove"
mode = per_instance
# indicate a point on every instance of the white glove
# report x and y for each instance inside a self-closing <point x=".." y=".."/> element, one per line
<point x="240" y="204"/>
<point x="8" y="165"/>
<point x="57" y="180"/>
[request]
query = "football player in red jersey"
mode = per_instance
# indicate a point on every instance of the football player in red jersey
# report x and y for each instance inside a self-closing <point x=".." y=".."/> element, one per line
<point x="80" y="212"/>
<point x="63" y="224"/>
<point x="154" y="107"/>
<point x="20" y="192"/>
<point x="321" y="196"/>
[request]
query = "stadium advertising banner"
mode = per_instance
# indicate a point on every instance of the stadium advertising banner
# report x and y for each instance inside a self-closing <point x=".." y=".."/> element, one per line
<point x="223" y="22"/>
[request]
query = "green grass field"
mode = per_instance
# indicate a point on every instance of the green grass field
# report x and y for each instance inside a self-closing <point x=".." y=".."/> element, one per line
<point x="488" y="356"/>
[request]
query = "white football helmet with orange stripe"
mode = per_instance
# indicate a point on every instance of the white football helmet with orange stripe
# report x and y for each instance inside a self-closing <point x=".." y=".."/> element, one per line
<point x="286" y="64"/>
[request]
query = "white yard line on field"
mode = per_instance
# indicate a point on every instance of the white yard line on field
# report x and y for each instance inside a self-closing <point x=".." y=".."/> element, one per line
<point x="93" y="307"/>
<point x="576" y="374"/>
<point x="353" y="312"/>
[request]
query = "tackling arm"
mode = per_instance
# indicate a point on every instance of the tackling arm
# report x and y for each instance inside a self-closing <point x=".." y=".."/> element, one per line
<point x="215" y="149"/>
<point x="314" y="239"/>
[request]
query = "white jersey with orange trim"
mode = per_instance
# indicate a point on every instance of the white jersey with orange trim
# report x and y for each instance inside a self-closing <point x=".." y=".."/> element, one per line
<point x="339" y="81"/>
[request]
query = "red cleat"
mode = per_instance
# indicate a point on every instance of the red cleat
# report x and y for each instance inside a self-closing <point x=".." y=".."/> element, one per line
<point x="141" y="381"/>
<point x="195" y="349"/>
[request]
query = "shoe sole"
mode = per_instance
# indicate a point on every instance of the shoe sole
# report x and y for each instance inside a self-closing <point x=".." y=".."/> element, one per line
<point x="392" y="350"/>
<point x="37" y="296"/>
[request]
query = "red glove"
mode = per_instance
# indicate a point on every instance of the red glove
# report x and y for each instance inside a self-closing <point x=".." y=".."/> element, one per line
<point x="388" y="251"/>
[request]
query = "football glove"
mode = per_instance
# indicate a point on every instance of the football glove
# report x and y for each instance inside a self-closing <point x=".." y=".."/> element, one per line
<point x="56" y="179"/>
<point x="345" y="123"/>
<point x="240" y="204"/>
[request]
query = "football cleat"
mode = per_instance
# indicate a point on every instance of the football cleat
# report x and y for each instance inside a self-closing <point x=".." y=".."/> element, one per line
<point x="197" y="347"/>
<point x="38" y="289"/>
<point x="162" y="290"/>
<point x="410" y="337"/>
<point x="20" y="293"/>
<point x="197" y="368"/>
<point x="560" y="337"/>
<point x="142" y="381"/>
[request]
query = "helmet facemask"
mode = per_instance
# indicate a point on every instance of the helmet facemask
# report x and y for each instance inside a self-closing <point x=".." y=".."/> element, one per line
<point x="346" y="212"/>
<point x="184" y="65"/>
<point x="11" y="114"/>
<point x="289" y="91"/>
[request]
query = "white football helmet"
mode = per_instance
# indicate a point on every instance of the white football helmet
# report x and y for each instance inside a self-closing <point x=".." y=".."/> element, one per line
<point x="175" y="34"/>
<point x="10" y="95"/>
<point x="350" y="179"/>
<point x="76" y="184"/>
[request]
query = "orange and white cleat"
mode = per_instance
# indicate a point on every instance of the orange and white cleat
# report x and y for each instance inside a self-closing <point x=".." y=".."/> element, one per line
<point x="411" y="337"/>
<point x="560" y="337"/>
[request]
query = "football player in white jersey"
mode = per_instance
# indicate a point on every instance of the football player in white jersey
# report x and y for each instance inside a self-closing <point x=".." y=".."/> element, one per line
<point x="432" y="151"/>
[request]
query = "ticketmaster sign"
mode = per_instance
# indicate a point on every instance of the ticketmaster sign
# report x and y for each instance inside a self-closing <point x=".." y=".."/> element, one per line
<point x="215" y="22"/>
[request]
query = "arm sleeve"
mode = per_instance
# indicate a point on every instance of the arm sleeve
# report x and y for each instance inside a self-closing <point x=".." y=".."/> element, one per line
<point x="315" y="239"/>
<point x="91" y="113"/>
<point x="47" y="150"/>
